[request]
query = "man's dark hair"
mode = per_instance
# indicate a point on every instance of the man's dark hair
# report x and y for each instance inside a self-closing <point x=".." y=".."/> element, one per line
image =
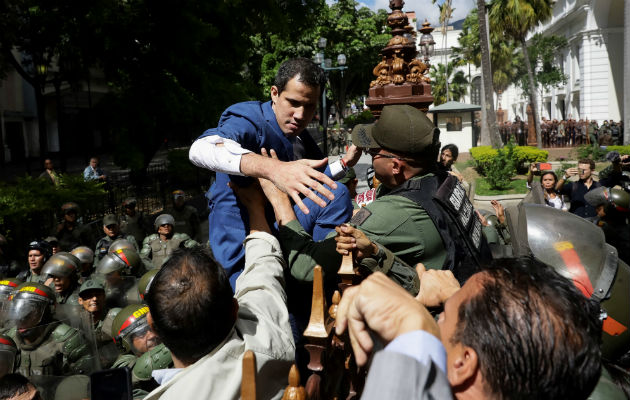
<point x="191" y="304"/>
<point x="589" y="162"/>
<point x="12" y="385"/>
<point x="536" y="335"/>
<point x="454" y="150"/>
<point x="306" y="71"/>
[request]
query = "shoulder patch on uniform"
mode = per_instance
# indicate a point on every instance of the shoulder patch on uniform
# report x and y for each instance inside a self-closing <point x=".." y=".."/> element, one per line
<point x="360" y="217"/>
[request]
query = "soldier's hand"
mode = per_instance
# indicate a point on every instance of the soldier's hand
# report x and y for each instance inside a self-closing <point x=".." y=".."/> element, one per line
<point x="353" y="155"/>
<point x="381" y="306"/>
<point x="350" y="239"/>
<point x="436" y="286"/>
<point x="301" y="177"/>
<point x="498" y="210"/>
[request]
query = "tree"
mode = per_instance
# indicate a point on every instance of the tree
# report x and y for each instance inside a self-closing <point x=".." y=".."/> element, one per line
<point x="516" y="18"/>
<point x="446" y="12"/>
<point x="486" y="78"/>
<point x="443" y="80"/>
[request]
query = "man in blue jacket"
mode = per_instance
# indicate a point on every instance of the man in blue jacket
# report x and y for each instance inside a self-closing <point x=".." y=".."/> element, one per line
<point x="233" y="150"/>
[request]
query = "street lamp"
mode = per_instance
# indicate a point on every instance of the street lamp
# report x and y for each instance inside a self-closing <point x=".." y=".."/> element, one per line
<point x="326" y="65"/>
<point x="426" y="41"/>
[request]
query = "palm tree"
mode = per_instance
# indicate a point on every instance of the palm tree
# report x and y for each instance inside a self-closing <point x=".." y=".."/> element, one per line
<point x="515" y="18"/>
<point x="446" y="12"/>
<point x="443" y="86"/>
<point x="486" y="78"/>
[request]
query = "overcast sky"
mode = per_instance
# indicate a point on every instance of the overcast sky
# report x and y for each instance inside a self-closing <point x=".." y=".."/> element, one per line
<point x="426" y="9"/>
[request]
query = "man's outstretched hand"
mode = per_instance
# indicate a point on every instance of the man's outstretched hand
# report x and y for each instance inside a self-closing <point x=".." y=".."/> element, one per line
<point x="381" y="306"/>
<point x="301" y="177"/>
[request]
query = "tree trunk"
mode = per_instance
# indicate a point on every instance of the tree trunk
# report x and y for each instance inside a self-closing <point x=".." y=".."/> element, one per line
<point x="486" y="78"/>
<point x="532" y="93"/>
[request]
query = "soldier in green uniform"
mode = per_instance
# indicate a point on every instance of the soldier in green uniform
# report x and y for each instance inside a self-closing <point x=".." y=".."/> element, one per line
<point x="62" y="269"/>
<point x="92" y="299"/>
<point x="160" y="245"/>
<point x="7" y="286"/>
<point x="404" y="146"/>
<point x="47" y="346"/>
<point x="133" y="222"/>
<point x="86" y="260"/>
<point x="185" y="216"/>
<point x="143" y="350"/>
<point x="38" y="253"/>
<point x="9" y="355"/>
<point x="119" y="270"/>
<point x="612" y="206"/>
<point x="69" y="232"/>
<point x="112" y="233"/>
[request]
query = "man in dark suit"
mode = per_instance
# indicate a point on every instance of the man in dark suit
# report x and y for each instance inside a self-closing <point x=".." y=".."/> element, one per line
<point x="517" y="329"/>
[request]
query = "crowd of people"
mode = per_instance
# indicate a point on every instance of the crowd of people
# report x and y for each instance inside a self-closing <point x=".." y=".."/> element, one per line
<point x="526" y="302"/>
<point x="565" y="133"/>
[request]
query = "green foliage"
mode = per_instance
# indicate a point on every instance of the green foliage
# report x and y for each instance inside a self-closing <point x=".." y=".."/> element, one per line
<point x="457" y="83"/>
<point x="563" y="168"/>
<point x="543" y="51"/>
<point x="520" y="156"/>
<point x="594" y="152"/>
<point x="33" y="200"/>
<point x="621" y="149"/>
<point x="500" y="170"/>
<point x="364" y="117"/>
<point x="516" y="186"/>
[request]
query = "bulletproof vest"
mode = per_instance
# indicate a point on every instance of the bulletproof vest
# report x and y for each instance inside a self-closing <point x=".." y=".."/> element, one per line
<point x="444" y="199"/>
<point x="133" y="226"/>
<point x="160" y="250"/>
<point x="102" y="247"/>
<point x="182" y="220"/>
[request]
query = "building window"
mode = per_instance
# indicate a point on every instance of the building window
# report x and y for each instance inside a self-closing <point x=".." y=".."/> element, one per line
<point x="453" y="124"/>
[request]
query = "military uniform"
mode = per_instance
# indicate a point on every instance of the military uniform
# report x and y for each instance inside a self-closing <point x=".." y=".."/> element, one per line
<point x="102" y="246"/>
<point x="158" y="250"/>
<point x="135" y="226"/>
<point x="60" y="350"/>
<point x="29" y="276"/>
<point x="186" y="220"/>
<point x="71" y="238"/>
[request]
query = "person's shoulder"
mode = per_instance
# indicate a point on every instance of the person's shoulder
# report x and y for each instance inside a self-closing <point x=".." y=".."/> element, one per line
<point x="249" y="109"/>
<point x="151" y="238"/>
<point x="63" y="332"/>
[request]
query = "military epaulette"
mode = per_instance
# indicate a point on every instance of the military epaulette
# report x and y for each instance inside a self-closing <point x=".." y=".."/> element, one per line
<point x="62" y="332"/>
<point x="150" y="238"/>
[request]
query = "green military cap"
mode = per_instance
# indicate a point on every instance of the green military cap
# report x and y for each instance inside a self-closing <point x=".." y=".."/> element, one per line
<point x="110" y="219"/>
<point x="350" y="175"/>
<point x="400" y="128"/>
<point x="91" y="284"/>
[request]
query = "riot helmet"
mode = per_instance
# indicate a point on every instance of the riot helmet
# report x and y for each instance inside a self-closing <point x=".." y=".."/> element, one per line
<point x="577" y="250"/>
<point x="69" y="207"/>
<point x="62" y="264"/>
<point x="29" y="304"/>
<point x="131" y="330"/>
<point x="8" y="355"/>
<point x="164" y="219"/>
<point x="613" y="200"/>
<point x="145" y="282"/>
<point x="7" y="286"/>
<point x="84" y="254"/>
<point x="42" y="246"/>
<point x="120" y="244"/>
<point x="123" y="260"/>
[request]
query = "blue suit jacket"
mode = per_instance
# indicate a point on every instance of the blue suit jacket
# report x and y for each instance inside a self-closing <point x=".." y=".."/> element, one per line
<point x="253" y="125"/>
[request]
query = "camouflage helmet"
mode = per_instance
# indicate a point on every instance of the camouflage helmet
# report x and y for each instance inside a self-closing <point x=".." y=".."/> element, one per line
<point x="130" y="322"/>
<point x="164" y="219"/>
<point x="84" y="254"/>
<point x="8" y="285"/>
<point x="610" y="198"/>
<point x="145" y="282"/>
<point x="492" y="220"/>
<point x="62" y="264"/>
<point x="129" y="202"/>
<point x="69" y="207"/>
<point x="577" y="250"/>
<point x="121" y="259"/>
<point x="120" y="243"/>
<point x="8" y="355"/>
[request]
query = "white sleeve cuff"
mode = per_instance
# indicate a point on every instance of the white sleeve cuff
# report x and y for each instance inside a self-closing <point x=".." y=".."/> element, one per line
<point x="336" y="170"/>
<point x="420" y="345"/>
<point x="206" y="153"/>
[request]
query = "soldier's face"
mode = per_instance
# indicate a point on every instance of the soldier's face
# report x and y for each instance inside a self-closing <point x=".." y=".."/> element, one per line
<point x="111" y="230"/>
<point x="93" y="300"/>
<point x="70" y="216"/>
<point x="295" y="106"/>
<point x="165" y="229"/>
<point x="35" y="260"/>
<point x="61" y="283"/>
